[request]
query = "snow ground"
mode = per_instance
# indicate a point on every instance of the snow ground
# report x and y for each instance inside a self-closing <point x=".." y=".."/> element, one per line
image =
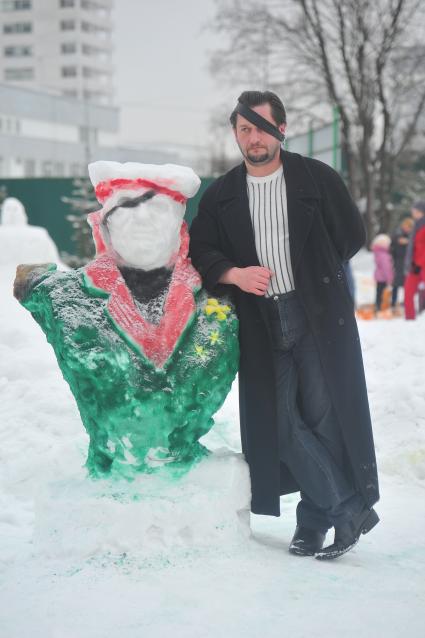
<point x="251" y="588"/>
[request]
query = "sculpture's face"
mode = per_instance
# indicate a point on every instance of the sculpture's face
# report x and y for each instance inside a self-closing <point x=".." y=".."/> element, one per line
<point x="144" y="231"/>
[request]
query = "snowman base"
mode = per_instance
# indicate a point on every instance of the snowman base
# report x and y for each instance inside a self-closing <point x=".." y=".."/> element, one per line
<point x="207" y="507"/>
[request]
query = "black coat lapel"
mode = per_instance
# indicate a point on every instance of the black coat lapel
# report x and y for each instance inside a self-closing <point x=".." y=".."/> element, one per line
<point x="301" y="193"/>
<point x="236" y="218"/>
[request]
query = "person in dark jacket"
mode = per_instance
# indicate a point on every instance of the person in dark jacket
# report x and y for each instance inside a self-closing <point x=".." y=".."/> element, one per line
<point x="399" y="242"/>
<point x="384" y="269"/>
<point x="415" y="259"/>
<point x="277" y="230"/>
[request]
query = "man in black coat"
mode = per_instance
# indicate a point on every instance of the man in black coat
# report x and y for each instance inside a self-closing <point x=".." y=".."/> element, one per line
<point x="277" y="229"/>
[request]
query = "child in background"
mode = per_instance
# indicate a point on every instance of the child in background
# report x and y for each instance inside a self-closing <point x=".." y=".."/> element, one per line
<point x="415" y="259"/>
<point x="399" y="243"/>
<point x="384" y="272"/>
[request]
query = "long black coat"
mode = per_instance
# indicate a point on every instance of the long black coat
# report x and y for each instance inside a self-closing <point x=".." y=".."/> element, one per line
<point x="325" y="229"/>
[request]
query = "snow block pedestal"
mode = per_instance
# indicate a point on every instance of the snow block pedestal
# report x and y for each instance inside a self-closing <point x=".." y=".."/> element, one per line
<point x="157" y="512"/>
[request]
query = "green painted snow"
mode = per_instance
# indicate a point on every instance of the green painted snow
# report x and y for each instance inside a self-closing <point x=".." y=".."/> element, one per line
<point x="133" y="412"/>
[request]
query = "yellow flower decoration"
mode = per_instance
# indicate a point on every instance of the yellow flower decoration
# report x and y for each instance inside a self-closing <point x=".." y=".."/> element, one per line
<point x="214" y="337"/>
<point x="200" y="351"/>
<point x="213" y="307"/>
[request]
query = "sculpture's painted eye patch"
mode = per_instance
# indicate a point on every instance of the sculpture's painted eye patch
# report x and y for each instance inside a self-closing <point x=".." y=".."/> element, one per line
<point x="131" y="202"/>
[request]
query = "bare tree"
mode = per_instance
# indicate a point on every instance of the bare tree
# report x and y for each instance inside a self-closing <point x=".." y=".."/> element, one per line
<point x="366" y="57"/>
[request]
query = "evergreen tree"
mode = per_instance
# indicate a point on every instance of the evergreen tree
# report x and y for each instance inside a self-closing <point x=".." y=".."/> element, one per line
<point x="82" y="202"/>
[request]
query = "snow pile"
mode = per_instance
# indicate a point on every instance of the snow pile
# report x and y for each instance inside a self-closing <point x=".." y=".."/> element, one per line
<point x="206" y="507"/>
<point x="21" y="243"/>
<point x="26" y="244"/>
<point x="63" y="534"/>
<point x="394" y="352"/>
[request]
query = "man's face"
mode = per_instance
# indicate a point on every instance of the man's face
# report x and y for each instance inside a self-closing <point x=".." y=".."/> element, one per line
<point x="147" y="235"/>
<point x="257" y="146"/>
<point x="407" y="224"/>
<point x="417" y="214"/>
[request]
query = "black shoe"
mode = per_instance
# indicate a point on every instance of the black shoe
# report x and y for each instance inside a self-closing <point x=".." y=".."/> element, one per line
<point x="347" y="536"/>
<point x="306" y="542"/>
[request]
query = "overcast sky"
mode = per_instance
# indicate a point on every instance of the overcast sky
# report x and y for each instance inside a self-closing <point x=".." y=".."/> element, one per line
<point x="161" y="71"/>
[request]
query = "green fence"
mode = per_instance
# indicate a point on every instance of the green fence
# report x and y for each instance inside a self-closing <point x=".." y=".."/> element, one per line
<point x="322" y="143"/>
<point x="42" y="198"/>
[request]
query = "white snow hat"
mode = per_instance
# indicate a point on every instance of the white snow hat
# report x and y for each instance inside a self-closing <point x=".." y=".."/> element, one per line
<point x="382" y="240"/>
<point x="112" y="180"/>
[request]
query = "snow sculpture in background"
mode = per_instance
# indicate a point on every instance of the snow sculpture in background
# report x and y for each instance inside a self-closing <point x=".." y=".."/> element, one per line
<point x="21" y="242"/>
<point x="149" y="357"/>
<point x="13" y="213"/>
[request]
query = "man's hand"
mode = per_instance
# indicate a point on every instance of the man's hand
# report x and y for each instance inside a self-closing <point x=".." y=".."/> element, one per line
<point x="253" y="279"/>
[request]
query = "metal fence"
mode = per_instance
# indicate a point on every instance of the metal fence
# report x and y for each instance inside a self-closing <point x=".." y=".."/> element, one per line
<point x="322" y="143"/>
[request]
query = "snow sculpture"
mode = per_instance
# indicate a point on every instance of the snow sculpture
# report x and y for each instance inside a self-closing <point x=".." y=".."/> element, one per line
<point x="148" y="355"/>
<point x="20" y="242"/>
<point x="13" y="213"/>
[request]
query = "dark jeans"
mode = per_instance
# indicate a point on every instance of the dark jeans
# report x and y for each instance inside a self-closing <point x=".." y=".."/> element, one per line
<point x="380" y="287"/>
<point x="310" y="440"/>
<point x="394" y="296"/>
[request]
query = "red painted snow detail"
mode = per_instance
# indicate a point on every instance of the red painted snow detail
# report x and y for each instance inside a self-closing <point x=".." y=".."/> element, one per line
<point x="95" y="219"/>
<point x="105" y="189"/>
<point x="157" y="342"/>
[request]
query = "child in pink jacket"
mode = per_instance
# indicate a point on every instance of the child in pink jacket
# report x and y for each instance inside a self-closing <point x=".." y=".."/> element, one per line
<point x="384" y="271"/>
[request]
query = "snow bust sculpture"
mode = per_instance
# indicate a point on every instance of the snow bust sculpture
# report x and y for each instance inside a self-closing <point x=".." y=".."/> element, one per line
<point x="148" y="355"/>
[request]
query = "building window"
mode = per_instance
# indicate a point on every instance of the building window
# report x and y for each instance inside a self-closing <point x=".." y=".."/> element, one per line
<point x="16" y="5"/>
<point x="90" y="72"/>
<point x="59" y="169"/>
<point x="88" y="135"/>
<point x="88" y="49"/>
<point x="19" y="74"/>
<point x="69" y="71"/>
<point x="17" y="52"/>
<point x="29" y="168"/>
<point x="68" y="47"/>
<point x="100" y="96"/>
<point x="89" y="27"/>
<point x="67" y="25"/>
<point x="65" y="4"/>
<point x="93" y="6"/>
<point x="18" y="27"/>
<point x="77" y="170"/>
<point x="71" y="93"/>
<point x="47" y="169"/>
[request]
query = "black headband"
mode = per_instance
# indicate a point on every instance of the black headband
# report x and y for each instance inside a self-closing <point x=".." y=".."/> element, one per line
<point x="259" y="121"/>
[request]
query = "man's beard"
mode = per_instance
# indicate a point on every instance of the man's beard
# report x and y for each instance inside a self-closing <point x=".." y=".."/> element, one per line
<point x="260" y="158"/>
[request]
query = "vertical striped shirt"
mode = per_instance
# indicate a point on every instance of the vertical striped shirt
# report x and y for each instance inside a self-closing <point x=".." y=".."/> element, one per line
<point x="269" y="215"/>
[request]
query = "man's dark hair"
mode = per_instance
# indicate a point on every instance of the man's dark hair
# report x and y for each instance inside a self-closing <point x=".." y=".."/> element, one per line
<point x="255" y="98"/>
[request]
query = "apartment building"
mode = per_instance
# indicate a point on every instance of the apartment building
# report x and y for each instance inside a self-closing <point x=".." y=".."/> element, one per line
<point x="60" y="45"/>
<point x="48" y="135"/>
